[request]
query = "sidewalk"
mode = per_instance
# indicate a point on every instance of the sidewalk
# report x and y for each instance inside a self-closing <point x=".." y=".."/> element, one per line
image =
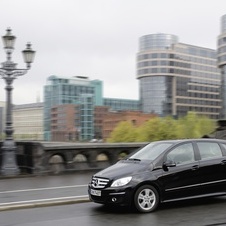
<point x="43" y="203"/>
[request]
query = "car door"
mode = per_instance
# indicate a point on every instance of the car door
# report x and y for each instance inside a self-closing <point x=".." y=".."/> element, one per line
<point x="212" y="167"/>
<point x="182" y="178"/>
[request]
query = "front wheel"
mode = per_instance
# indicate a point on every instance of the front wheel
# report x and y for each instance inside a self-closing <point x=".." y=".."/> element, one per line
<point x="146" y="199"/>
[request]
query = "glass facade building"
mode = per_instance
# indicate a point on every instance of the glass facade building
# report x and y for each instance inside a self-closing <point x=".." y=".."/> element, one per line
<point x="85" y="94"/>
<point x="116" y="104"/>
<point x="221" y="57"/>
<point x="176" y="78"/>
<point x="76" y="90"/>
<point x="86" y="109"/>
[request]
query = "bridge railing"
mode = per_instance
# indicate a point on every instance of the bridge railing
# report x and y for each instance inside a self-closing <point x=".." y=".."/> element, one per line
<point x="59" y="157"/>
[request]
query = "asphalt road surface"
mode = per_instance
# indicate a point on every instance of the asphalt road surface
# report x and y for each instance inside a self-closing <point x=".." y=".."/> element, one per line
<point x="43" y="189"/>
<point x="203" y="212"/>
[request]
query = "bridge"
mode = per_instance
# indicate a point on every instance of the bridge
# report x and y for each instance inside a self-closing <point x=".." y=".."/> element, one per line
<point x="61" y="157"/>
<point x="35" y="157"/>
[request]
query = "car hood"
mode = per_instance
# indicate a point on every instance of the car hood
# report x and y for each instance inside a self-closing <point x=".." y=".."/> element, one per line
<point x="124" y="168"/>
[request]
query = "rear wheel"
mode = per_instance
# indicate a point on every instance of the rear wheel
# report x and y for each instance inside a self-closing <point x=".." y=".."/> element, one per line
<point x="146" y="199"/>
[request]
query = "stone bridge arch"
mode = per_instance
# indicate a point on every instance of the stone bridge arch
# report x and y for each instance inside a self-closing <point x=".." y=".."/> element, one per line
<point x="57" y="157"/>
<point x="57" y="163"/>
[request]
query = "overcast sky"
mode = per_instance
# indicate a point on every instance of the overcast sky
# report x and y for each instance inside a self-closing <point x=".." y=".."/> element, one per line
<point x="98" y="38"/>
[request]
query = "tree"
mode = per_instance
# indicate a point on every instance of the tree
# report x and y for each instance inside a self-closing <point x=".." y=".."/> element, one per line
<point x="168" y="129"/>
<point x="124" y="132"/>
<point x="149" y="131"/>
<point x="194" y="126"/>
<point x="158" y="129"/>
<point x="189" y="126"/>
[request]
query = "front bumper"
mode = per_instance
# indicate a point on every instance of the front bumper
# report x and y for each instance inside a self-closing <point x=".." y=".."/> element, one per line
<point x="120" y="196"/>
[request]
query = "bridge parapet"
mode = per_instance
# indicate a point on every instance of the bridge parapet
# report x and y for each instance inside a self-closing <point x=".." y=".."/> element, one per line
<point x="59" y="157"/>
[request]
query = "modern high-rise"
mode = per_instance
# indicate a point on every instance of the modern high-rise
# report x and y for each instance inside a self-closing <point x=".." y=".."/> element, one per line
<point x="84" y="95"/>
<point x="175" y="78"/>
<point x="78" y="91"/>
<point x="221" y="57"/>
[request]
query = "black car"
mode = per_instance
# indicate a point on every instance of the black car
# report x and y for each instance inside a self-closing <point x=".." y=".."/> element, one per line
<point x="163" y="171"/>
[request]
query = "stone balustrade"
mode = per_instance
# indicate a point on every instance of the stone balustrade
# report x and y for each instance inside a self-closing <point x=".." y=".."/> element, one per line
<point x="59" y="157"/>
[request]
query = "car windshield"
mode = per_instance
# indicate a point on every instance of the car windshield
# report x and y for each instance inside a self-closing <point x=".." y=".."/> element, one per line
<point x="151" y="151"/>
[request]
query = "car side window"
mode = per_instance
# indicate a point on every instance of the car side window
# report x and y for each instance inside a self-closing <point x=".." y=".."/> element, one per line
<point x="209" y="150"/>
<point x="224" y="146"/>
<point x="182" y="154"/>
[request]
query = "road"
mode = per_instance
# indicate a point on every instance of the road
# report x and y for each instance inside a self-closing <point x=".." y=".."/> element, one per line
<point x="43" y="189"/>
<point x="190" y="213"/>
<point x="22" y="191"/>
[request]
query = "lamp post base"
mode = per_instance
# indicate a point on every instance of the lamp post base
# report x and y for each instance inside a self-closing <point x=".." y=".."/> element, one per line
<point x="9" y="165"/>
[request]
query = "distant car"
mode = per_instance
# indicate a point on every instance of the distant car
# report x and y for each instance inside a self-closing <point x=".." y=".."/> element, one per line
<point x="93" y="140"/>
<point x="163" y="171"/>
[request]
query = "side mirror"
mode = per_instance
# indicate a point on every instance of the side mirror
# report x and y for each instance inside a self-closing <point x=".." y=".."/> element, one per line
<point x="168" y="163"/>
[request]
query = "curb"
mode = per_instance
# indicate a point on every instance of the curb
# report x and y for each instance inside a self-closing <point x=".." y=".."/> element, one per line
<point x="38" y="204"/>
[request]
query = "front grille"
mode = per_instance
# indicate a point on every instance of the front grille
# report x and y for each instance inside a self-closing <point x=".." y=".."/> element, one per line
<point x="98" y="182"/>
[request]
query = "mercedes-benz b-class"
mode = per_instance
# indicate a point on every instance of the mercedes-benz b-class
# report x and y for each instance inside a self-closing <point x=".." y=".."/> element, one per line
<point x="163" y="171"/>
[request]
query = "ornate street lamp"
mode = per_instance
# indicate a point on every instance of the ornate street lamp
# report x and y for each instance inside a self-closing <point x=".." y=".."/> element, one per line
<point x="9" y="72"/>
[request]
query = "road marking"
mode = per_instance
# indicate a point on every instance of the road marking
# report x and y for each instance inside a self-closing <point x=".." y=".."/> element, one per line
<point x="42" y="189"/>
<point x="45" y="200"/>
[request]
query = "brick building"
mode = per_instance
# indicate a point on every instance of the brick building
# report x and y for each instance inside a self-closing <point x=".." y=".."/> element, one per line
<point x="99" y="114"/>
<point x="63" y="123"/>
<point x="111" y="120"/>
<point x="66" y="122"/>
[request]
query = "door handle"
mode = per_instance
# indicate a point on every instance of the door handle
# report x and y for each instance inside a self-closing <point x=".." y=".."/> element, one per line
<point x="223" y="162"/>
<point x="195" y="167"/>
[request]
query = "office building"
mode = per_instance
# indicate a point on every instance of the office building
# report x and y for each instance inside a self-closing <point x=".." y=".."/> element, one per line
<point x="28" y="121"/>
<point x="100" y="112"/>
<point x="175" y="78"/>
<point x="66" y="123"/>
<point x="85" y="94"/>
<point x="77" y="90"/>
<point x="221" y="60"/>
<point x="116" y="104"/>
<point x="63" y="126"/>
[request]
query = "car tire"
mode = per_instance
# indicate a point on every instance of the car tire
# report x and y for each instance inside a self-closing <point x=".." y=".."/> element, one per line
<point x="146" y="199"/>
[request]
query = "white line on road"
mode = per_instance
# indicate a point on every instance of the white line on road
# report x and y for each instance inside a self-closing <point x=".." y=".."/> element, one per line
<point x="42" y="189"/>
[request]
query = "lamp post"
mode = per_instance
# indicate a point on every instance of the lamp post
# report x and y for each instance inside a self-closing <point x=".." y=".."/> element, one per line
<point x="9" y="72"/>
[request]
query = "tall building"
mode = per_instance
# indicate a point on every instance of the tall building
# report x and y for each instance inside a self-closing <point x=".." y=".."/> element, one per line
<point x="221" y="57"/>
<point x="85" y="95"/>
<point x="175" y="78"/>
<point x="77" y="90"/>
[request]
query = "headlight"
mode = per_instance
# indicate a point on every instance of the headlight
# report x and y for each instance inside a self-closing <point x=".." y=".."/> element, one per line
<point x="121" y="182"/>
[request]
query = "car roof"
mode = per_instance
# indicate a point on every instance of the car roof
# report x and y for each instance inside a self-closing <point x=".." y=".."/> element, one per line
<point x="193" y="139"/>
